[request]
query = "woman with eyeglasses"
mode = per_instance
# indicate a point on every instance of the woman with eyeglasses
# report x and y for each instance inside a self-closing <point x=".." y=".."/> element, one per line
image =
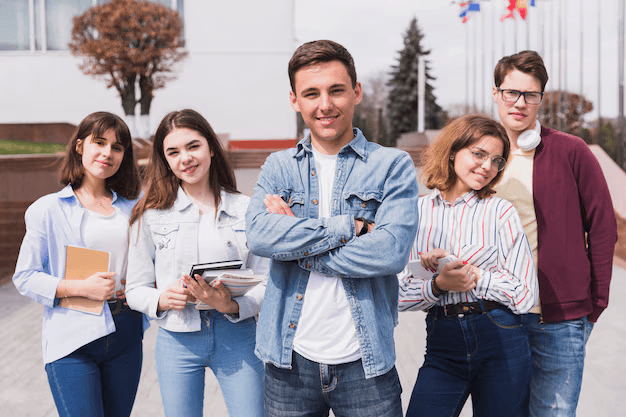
<point x="93" y="361"/>
<point x="475" y="341"/>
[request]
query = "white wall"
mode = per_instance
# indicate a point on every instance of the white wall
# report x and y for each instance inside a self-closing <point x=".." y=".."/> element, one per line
<point x="235" y="75"/>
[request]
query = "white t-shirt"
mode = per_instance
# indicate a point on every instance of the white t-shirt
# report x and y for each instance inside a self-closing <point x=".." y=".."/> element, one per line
<point x="109" y="234"/>
<point x="210" y="247"/>
<point x="326" y="332"/>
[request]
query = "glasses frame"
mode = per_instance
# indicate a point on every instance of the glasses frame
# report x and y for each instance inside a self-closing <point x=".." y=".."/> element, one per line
<point x="495" y="160"/>
<point x="519" y="94"/>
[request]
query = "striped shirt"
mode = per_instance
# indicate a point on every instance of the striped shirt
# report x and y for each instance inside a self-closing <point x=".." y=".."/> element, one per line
<point x="486" y="233"/>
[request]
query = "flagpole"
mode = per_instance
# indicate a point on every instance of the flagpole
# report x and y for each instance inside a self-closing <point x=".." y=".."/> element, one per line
<point x="493" y="52"/>
<point x="482" y="63"/>
<point x="467" y="68"/>
<point x="599" y="64"/>
<point x="582" y="39"/>
<point x="620" y="76"/>
<point x="558" y="93"/>
<point x="475" y="107"/>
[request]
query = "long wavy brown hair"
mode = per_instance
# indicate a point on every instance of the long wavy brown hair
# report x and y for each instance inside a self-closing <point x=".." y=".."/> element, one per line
<point x="162" y="185"/>
<point x="438" y="168"/>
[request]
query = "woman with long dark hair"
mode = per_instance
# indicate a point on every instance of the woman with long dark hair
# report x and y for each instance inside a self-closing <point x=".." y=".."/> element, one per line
<point x="475" y="341"/>
<point x="93" y="361"/>
<point x="192" y="213"/>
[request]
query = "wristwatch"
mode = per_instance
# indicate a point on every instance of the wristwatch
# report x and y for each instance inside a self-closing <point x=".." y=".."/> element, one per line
<point x="435" y="287"/>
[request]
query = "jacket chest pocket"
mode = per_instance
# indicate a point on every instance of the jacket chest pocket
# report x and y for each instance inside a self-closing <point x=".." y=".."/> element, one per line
<point x="164" y="237"/>
<point x="295" y="200"/>
<point x="363" y="203"/>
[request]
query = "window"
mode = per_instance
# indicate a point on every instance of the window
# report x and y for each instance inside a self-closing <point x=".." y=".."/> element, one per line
<point x="14" y="25"/>
<point x="46" y="25"/>
<point x="59" y="14"/>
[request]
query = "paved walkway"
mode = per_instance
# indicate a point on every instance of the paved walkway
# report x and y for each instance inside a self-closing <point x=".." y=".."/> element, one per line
<point x="24" y="389"/>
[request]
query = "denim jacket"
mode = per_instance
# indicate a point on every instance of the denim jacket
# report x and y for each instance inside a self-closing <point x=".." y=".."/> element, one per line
<point x="164" y="246"/>
<point x="372" y="182"/>
<point x="52" y="223"/>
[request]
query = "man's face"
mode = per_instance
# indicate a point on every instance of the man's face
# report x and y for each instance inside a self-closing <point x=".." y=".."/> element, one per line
<point x="519" y="116"/>
<point x="325" y="98"/>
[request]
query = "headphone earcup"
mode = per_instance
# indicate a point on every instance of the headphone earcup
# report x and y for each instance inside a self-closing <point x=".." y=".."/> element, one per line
<point x="529" y="140"/>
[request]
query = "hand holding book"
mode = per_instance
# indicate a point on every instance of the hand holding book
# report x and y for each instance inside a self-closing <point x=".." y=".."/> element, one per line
<point x="214" y="295"/>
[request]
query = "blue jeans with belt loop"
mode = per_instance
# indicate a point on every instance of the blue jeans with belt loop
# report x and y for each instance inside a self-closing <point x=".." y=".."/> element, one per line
<point x="228" y="349"/>
<point x="486" y="355"/>
<point x="100" y="379"/>
<point x="558" y="358"/>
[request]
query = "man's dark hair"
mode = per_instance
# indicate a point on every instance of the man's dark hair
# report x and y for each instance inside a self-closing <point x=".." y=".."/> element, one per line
<point x="316" y="52"/>
<point x="528" y="62"/>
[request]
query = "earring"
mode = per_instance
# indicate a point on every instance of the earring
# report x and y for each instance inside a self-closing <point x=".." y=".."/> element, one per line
<point x="452" y="157"/>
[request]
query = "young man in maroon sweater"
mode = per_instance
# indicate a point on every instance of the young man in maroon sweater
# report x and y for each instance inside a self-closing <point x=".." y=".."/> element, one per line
<point x="558" y="188"/>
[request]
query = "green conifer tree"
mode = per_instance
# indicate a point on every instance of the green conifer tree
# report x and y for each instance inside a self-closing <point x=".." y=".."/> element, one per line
<point x="402" y="102"/>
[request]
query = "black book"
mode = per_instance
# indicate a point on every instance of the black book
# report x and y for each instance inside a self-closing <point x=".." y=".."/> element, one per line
<point x="214" y="266"/>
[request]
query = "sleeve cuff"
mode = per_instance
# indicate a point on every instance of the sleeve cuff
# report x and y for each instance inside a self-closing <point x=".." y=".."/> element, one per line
<point x="427" y="291"/>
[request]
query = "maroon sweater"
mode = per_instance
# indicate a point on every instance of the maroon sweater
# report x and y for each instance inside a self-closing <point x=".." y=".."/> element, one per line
<point x="576" y="228"/>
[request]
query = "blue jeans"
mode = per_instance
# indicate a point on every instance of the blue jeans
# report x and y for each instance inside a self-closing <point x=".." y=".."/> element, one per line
<point x="486" y="355"/>
<point x="101" y="378"/>
<point x="311" y="389"/>
<point x="228" y="349"/>
<point x="558" y="357"/>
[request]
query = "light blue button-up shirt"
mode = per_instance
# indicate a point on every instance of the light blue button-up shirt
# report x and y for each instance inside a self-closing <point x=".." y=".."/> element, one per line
<point x="372" y="182"/>
<point x="52" y="223"/>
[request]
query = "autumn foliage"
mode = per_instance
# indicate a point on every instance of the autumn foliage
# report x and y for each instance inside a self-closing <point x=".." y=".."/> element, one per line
<point x="128" y="42"/>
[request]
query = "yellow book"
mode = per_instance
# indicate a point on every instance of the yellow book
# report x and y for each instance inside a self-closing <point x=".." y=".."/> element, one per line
<point x="81" y="263"/>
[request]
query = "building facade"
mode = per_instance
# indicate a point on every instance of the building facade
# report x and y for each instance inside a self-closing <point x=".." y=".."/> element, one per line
<point x="235" y="74"/>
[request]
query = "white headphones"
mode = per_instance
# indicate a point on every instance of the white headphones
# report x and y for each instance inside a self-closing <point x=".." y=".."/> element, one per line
<point x="530" y="139"/>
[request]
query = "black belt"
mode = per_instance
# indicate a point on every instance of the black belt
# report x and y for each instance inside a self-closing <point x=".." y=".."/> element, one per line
<point x="452" y="310"/>
<point x="117" y="306"/>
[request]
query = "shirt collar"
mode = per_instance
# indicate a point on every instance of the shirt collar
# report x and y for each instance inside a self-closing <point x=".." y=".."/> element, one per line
<point x="68" y="193"/>
<point x="470" y="198"/>
<point x="357" y="144"/>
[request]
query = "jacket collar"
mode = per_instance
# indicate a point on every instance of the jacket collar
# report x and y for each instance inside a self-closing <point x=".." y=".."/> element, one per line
<point x="226" y="204"/>
<point x="358" y="144"/>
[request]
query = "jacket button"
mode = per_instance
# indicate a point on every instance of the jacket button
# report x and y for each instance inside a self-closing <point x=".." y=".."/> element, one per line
<point x="229" y="243"/>
<point x="299" y="297"/>
<point x="314" y="201"/>
<point x="292" y="326"/>
<point x="343" y="239"/>
<point x="308" y="264"/>
<point x="306" y="253"/>
<point x="363" y="205"/>
<point x="313" y="173"/>
<point x="290" y="201"/>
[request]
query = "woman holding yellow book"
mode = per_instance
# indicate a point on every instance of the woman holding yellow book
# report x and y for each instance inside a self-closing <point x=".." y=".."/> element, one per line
<point x="192" y="213"/>
<point x="92" y="358"/>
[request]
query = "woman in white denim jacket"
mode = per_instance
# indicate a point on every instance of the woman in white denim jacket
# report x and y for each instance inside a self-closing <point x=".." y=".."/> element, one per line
<point x="192" y="213"/>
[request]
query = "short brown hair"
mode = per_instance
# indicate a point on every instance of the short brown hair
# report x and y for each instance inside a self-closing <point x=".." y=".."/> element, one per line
<point x="161" y="183"/>
<point x="125" y="181"/>
<point x="438" y="168"/>
<point x="528" y="62"/>
<point x="316" y="52"/>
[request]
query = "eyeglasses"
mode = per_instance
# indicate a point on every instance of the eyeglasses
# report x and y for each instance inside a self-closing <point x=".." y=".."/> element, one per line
<point x="481" y="156"/>
<point x="511" y="96"/>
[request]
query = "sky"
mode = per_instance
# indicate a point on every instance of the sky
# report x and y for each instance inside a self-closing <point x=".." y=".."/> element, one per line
<point x="373" y="33"/>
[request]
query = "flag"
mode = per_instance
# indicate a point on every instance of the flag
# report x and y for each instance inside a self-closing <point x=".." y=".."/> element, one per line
<point x="520" y="5"/>
<point x="468" y="7"/>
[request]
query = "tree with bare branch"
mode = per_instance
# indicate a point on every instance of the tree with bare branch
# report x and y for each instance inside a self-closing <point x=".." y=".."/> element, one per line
<point x="126" y="42"/>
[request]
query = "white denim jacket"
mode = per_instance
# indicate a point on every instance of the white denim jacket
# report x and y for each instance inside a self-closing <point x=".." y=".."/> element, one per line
<point x="164" y="246"/>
